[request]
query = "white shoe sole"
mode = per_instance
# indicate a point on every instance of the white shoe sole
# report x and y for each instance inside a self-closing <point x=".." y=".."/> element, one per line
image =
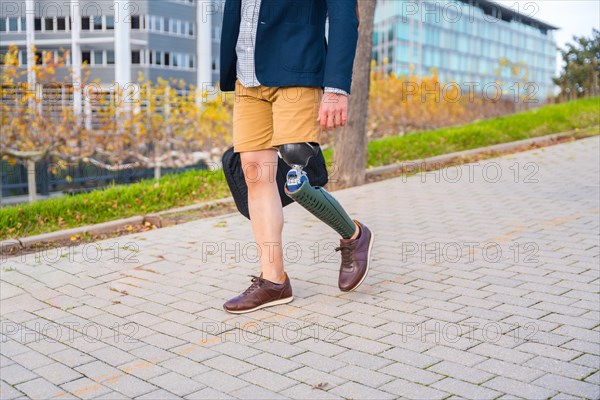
<point x="368" y="263"/>
<point x="269" y="304"/>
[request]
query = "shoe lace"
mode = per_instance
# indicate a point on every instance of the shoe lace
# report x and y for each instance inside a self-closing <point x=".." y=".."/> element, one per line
<point x="347" y="250"/>
<point x="257" y="281"/>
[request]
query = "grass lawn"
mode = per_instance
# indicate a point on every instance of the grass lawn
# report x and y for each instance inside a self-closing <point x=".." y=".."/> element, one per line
<point x="539" y="122"/>
<point x="191" y="187"/>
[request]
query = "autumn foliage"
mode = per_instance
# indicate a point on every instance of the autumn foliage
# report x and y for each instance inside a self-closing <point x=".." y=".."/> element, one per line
<point x="144" y="124"/>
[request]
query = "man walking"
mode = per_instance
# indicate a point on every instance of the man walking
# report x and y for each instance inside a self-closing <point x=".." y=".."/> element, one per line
<point x="290" y="83"/>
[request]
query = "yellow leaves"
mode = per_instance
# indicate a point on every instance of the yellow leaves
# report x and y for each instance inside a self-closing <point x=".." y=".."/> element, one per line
<point x="409" y="102"/>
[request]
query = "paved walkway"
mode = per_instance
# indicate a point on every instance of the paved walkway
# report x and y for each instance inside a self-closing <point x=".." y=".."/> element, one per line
<point x="484" y="285"/>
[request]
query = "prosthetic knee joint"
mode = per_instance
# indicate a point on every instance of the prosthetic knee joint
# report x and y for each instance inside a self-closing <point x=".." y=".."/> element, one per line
<point x="315" y="199"/>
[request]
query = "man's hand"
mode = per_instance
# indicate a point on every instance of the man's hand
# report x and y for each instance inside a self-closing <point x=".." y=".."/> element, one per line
<point x="333" y="111"/>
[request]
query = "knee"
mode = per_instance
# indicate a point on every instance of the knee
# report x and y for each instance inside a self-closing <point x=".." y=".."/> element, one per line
<point x="259" y="169"/>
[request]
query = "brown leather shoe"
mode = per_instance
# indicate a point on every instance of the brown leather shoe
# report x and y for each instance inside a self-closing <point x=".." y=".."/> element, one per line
<point x="356" y="254"/>
<point x="262" y="293"/>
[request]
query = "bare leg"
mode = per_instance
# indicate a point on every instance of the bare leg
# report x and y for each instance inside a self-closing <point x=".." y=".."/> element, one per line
<point x="265" y="208"/>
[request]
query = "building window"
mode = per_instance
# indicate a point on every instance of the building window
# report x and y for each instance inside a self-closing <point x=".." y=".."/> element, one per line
<point x="167" y="59"/>
<point x="110" y="57"/>
<point x="86" y="57"/>
<point x="98" y="23"/>
<point x="13" y="24"/>
<point x="150" y="56"/>
<point x="135" y="22"/>
<point x="85" y="23"/>
<point x="23" y="24"/>
<point x="37" y="24"/>
<point x="135" y="57"/>
<point x="98" y="57"/>
<point x="3" y="25"/>
<point x="110" y="22"/>
<point x="49" y="24"/>
<point x="168" y="25"/>
<point x="61" y="24"/>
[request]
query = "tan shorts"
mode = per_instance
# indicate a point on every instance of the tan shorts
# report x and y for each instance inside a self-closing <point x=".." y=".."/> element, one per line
<point x="266" y="117"/>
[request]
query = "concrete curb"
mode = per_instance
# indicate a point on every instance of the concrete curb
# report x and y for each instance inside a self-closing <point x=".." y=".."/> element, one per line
<point x="155" y="218"/>
<point x="441" y="160"/>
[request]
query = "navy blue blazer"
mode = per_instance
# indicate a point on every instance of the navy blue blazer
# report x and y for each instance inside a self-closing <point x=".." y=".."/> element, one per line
<point x="291" y="49"/>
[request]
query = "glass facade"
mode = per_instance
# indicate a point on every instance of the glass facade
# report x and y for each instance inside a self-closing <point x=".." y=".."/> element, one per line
<point x="473" y="44"/>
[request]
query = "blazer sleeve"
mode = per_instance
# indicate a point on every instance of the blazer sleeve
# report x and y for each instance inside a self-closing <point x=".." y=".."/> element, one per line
<point x="342" y="41"/>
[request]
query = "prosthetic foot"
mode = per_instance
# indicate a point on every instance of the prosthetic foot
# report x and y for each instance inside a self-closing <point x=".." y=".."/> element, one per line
<point x="315" y="199"/>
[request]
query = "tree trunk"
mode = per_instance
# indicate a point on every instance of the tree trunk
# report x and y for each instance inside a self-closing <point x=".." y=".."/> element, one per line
<point x="350" y="142"/>
<point x="31" y="186"/>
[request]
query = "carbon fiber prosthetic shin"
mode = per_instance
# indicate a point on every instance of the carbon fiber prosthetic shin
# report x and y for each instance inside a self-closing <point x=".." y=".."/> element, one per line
<point x="318" y="201"/>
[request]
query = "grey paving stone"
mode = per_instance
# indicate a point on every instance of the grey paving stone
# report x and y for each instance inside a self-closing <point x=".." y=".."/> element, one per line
<point x="413" y="374"/>
<point x="461" y="372"/>
<point x="71" y="357"/>
<point x="581" y="346"/>
<point x="129" y="385"/>
<point x="548" y="351"/>
<point x="8" y="392"/>
<point x="557" y="367"/>
<point x="229" y="365"/>
<point x="303" y="391"/>
<point x="274" y="363"/>
<point x="219" y="380"/>
<point x="316" y="361"/>
<point x="587" y="360"/>
<point x="398" y="324"/>
<point x="268" y="379"/>
<point x="85" y="388"/>
<point x="40" y="388"/>
<point x="320" y="347"/>
<point x="353" y="390"/>
<point x="252" y="392"/>
<point x="98" y="371"/>
<point x="410" y="390"/>
<point x="32" y="359"/>
<point x="501" y="353"/>
<point x="449" y="354"/>
<point x="569" y="386"/>
<point x="15" y="373"/>
<point x="363" y="376"/>
<point x="315" y="377"/>
<point x="112" y="355"/>
<point x="521" y="389"/>
<point x="464" y="389"/>
<point x="510" y="370"/>
<point x="112" y="395"/>
<point x="410" y="357"/>
<point x="144" y="369"/>
<point x="176" y="383"/>
<point x="181" y="365"/>
<point x="594" y="379"/>
<point x="202" y="394"/>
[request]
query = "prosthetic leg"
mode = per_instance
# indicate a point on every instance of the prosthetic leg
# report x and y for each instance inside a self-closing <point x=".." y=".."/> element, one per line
<point x="315" y="199"/>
